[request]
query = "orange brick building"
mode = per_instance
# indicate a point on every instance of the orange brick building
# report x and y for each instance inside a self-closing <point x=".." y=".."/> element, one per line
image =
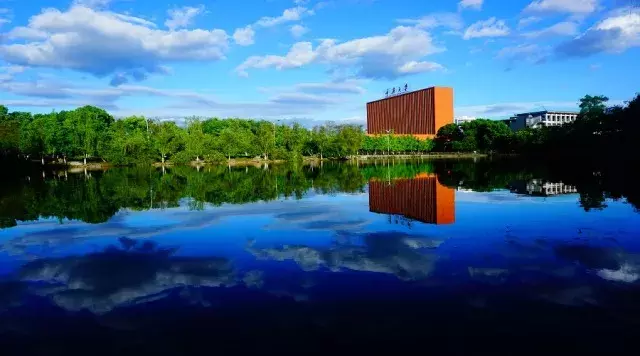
<point x="422" y="198"/>
<point x="420" y="113"/>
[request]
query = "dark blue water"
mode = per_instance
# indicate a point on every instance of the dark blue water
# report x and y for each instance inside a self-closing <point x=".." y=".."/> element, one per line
<point x="458" y="257"/>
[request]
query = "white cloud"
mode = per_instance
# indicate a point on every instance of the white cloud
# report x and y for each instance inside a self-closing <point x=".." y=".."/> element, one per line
<point x="182" y="17"/>
<point x="302" y="100"/>
<point x="526" y="21"/>
<point x="26" y="33"/>
<point x="92" y="3"/>
<point x="244" y="36"/>
<point x="134" y="20"/>
<point x="566" y="28"/>
<point x="13" y="69"/>
<point x="419" y="67"/>
<point x="298" y="30"/>
<point x="8" y="13"/>
<point x="371" y="57"/>
<point x="300" y="54"/>
<point x="563" y="6"/>
<point x="627" y="273"/>
<point x="488" y="28"/>
<point x="445" y="19"/>
<point x="615" y="34"/>
<point x="288" y="15"/>
<point x="470" y="4"/>
<point x="103" y="43"/>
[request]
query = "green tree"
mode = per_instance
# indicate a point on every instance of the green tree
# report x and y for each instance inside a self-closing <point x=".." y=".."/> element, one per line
<point x="55" y="136"/>
<point x="426" y="146"/>
<point x="234" y="141"/>
<point x="593" y="106"/>
<point x="9" y="132"/>
<point x="266" y="138"/>
<point x="167" y="138"/>
<point x="447" y="135"/>
<point x="88" y="130"/>
<point x="32" y="138"/>
<point x="489" y="134"/>
<point x="196" y="140"/>
<point x="350" y="138"/>
<point x="295" y="138"/>
<point x="130" y="142"/>
<point x="322" y="138"/>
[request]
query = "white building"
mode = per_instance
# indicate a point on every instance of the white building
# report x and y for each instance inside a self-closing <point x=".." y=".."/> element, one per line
<point x="462" y="119"/>
<point x="539" y="187"/>
<point x="540" y="119"/>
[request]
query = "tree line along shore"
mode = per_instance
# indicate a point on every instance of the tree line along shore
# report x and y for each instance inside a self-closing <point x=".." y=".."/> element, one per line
<point x="95" y="197"/>
<point x="90" y="135"/>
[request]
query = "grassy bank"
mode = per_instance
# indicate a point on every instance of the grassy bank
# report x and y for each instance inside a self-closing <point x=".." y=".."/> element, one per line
<point x="255" y="162"/>
<point x="442" y="155"/>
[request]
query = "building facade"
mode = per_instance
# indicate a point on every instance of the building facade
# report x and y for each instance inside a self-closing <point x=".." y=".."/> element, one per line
<point x="462" y="119"/>
<point x="540" y="119"/>
<point x="543" y="188"/>
<point x="420" y="113"/>
<point x="422" y="198"/>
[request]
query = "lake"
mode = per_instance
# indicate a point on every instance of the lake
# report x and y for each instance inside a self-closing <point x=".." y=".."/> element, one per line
<point x="449" y="256"/>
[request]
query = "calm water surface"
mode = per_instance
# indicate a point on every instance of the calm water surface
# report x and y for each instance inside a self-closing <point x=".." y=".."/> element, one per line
<point x="449" y="256"/>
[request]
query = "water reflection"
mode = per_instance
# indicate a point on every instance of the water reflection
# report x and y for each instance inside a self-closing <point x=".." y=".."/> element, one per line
<point x="543" y="188"/>
<point x="133" y="273"/>
<point x="403" y="255"/>
<point x="97" y="196"/>
<point x="245" y="256"/>
<point x="421" y="198"/>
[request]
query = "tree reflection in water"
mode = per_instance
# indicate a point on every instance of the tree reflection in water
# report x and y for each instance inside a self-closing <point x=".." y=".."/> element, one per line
<point x="95" y="198"/>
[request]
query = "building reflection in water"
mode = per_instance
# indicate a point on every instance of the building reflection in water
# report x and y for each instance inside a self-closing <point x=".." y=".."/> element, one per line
<point x="539" y="187"/>
<point x="421" y="198"/>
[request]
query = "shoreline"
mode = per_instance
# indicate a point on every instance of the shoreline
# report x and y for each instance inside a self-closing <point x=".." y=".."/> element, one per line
<point x="442" y="155"/>
<point x="259" y="163"/>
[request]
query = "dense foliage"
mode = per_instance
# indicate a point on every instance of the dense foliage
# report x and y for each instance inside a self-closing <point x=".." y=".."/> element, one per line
<point x="90" y="132"/>
<point x="598" y="130"/>
<point x="395" y="144"/>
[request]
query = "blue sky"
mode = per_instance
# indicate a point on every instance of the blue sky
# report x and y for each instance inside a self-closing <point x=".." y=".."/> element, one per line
<point x="313" y="60"/>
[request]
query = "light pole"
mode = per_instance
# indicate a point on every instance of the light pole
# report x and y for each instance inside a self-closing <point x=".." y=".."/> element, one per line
<point x="388" y="142"/>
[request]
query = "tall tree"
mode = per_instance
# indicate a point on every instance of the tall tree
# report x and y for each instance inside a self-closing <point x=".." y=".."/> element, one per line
<point x="266" y="138"/>
<point x="167" y="138"/>
<point x="322" y="138"/>
<point x="130" y="143"/>
<point x="32" y="138"/>
<point x="9" y="132"/>
<point x="295" y="138"/>
<point x="195" y="139"/>
<point x="592" y="106"/>
<point x="350" y="138"/>
<point x="88" y="127"/>
<point x="234" y="140"/>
